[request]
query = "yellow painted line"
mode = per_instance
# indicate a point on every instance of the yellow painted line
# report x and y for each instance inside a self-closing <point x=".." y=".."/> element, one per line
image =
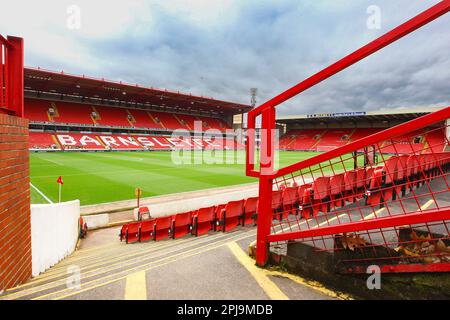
<point x="60" y="270"/>
<point x="97" y="248"/>
<point x="376" y="213"/>
<point x="114" y="255"/>
<point x="136" y="286"/>
<point x="426" y="205"/>
<point x="373" y="214"/>
<point x="111" y="256"/>
<point x="269" y="287"/>
<point x="310" y="284"/>
<point x="329" y="220"/>
<point x="148" y="267"/>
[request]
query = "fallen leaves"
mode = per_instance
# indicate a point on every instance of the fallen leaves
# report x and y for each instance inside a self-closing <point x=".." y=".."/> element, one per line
<point x="426" y="249"/>
<point x="353" y="241"/>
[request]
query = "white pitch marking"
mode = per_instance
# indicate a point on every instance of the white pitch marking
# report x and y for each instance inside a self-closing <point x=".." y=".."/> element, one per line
<point x="40" y="192"/>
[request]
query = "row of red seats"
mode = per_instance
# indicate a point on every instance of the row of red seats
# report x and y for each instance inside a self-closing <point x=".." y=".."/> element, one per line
<point x="376" y="184"/>
<point x="225" y="217"/>
<point x="428" y="140"/>
<point x="401" y="173"/>
<point x="76" y="113"/>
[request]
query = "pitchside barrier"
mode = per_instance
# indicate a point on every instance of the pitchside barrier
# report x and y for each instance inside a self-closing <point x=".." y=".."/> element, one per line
<point x="379" y="200"/>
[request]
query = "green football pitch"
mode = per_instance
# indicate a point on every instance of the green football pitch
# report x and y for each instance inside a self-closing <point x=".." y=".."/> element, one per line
<point x="113" y="176"/>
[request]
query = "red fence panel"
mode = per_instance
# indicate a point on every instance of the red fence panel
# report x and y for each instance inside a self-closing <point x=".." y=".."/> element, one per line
<point x="397" y="172"/>
<point x="11" y="76"/>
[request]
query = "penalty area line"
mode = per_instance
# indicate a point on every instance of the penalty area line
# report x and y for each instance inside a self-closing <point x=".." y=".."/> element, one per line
<point x="41" y="194"/>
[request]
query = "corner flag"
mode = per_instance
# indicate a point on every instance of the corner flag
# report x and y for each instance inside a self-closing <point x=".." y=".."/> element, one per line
<point x="60" y="182"/>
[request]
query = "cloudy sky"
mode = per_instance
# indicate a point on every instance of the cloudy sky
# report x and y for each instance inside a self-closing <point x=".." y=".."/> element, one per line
<point x="222" y="48"/>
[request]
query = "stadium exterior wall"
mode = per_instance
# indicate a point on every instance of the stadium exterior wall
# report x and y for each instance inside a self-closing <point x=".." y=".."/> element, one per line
<point x="15" y="224"/>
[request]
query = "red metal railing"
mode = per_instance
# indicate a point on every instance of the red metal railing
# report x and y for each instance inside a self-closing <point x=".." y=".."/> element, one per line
<point x="11" y="76"/>
<point x="337" y="161"/>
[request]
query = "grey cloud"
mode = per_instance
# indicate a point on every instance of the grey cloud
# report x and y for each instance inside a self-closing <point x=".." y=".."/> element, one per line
<point x="273" y="45"/>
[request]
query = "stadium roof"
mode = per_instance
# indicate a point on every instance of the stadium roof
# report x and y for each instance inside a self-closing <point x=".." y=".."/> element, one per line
<point x="38" y="80"/>
<point x="399" y="114"/>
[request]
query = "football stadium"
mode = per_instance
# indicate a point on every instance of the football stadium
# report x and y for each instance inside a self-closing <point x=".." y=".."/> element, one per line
<point x="111" y="190"/>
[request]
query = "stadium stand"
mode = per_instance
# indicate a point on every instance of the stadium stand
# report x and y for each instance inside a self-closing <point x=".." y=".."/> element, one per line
<point x="42" y="140"/>
<point x="398" y="176"/>
<point x="301" y="139"/>
<point x="143" y="119"/>
<point x="114" y="117"/>
<point x="72" y="113"/>
<point x="329" y="139"/>
<point x="37" y="110"/>
<point x="166" y="120"/>
<point x="76" y="113"/>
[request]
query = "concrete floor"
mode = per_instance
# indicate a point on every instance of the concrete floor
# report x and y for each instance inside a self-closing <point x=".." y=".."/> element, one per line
<point x="214" y="266"/>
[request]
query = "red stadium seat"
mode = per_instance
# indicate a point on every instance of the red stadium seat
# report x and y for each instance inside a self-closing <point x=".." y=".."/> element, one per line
<point x="250" y="211"/>
<point x="132" y="232"/>
<point x="204" y="221"/>
<point x="337" y="187"/>
<point x="277" y="204"/>
<point x="228" y="218"/>
<point x="361" y="183"/>
<point x="143" y="212"/>
<point x="123" y="232"/>
<point x="290" y="201"/>
<point x="163" y="227"/>
<point x="182" y="224"/>
<point x="321" y="195"/>
<point x="305" y="200"/>
<point x="350" y="188"/>
<point x="412" y="171"/>
<point x="401" y="180"/>
<point x="147" y="230"/>
<point x="382" y="183"/>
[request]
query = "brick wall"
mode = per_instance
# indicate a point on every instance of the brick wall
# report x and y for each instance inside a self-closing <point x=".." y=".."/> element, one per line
<point x="15" y="227"/>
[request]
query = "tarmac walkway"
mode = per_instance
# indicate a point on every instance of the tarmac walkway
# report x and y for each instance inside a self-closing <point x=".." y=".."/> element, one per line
<point x="215" y="266"/>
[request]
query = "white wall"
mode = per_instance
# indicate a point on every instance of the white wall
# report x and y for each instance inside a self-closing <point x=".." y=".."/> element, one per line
<point x="179" y="206"/>
<point x="54" y="233"/>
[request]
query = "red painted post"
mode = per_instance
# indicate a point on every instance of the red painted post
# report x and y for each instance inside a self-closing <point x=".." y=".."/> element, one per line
<point x="268" y="121"/>
<point x="264" y="220"/>
<point x="15" y="76"/>
<point x="265" y="187"/>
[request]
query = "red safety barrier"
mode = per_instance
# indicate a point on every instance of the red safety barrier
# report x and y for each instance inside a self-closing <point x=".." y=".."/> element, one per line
<point x="381" y="180"/>
<point x="11" y="76"/>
